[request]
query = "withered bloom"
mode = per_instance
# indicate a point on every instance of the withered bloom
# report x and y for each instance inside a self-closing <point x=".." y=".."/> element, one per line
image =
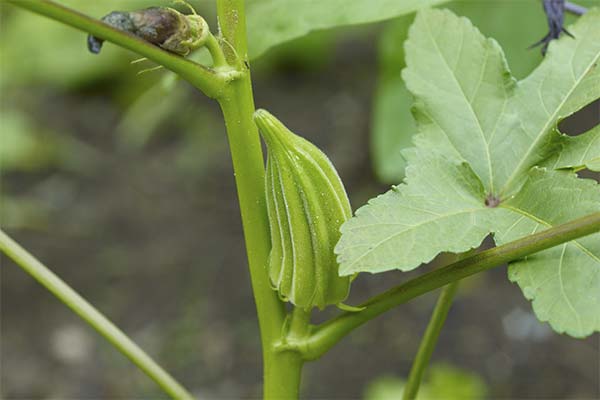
<point x="163" y="26"/>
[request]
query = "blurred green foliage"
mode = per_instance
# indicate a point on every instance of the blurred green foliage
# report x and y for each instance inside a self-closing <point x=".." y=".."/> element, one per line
<point x="52" y="59"/>
<point x="392" y="123"/>
<point x="443" y="381"/>
<point x="272" y="22"/>
<point x="53" y="56"/>
<point x="36" y="50"/>
<point x="25" y="146"/>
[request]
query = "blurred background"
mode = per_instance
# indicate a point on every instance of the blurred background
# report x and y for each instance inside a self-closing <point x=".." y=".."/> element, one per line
<point x="122" y="184"/>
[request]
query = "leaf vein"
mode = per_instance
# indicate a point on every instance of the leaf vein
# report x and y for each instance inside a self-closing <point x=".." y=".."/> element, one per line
<point x="470" y="106"/>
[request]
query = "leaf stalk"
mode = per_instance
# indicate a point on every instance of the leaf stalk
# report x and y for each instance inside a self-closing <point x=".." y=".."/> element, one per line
<point x="326" y="335"/>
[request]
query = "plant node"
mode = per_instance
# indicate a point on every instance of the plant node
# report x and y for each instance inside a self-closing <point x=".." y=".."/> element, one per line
<point x="492" y="201"/>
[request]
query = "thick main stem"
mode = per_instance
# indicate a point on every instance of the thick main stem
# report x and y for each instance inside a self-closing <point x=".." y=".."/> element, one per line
<point x="429" y="340"/>
<point x="281" y="369"/>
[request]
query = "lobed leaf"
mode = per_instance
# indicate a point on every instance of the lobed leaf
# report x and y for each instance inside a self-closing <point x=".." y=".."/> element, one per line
<point x="559" y="87"/>
<point x="469" y="107"/>
<point x="393" y="126"/>
<point x="480" y="134"/>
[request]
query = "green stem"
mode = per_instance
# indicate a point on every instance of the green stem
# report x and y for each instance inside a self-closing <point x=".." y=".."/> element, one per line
<point x="216" y="52"/>
<point x="429" y="340"/>
<point x="92" y="316"/>
<point x="283" y="372"/>
<point x="205" y="79"/>
<point x="328" y="334"/>
<point x="237" y="105"/>
<point x="300" y="324"/>
<point x="232" y="21"/>
<point x="282" y="369"/>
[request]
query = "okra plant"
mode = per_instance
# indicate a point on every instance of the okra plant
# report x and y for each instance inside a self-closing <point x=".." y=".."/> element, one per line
<point x="487" y="158"/>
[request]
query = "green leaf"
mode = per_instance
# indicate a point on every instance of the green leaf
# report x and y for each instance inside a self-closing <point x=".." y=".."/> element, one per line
<point x="462" y="86"/>
<point x="393" y="126"/>
<point x="579" y="152"/>
<point x="557" y="89"/>
<point x="415" y="221"/>
<point x="272" y="22"/>
<point x="469" y="106"/>
<point x="470" y="174"/>
<point x="564" y="281"/>
<point x="463" y="89"/>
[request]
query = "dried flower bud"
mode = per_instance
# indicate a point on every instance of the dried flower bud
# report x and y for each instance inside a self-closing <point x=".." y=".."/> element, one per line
<point x="307" y="204"/>
<point x="162" y="26"/>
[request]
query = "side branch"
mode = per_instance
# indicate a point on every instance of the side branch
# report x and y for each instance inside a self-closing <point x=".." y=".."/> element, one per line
<point x="92" y="316"/>
<point x="328" y="334"/>
<point x="429" y="341"/>
<point x="205" y="79"/>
